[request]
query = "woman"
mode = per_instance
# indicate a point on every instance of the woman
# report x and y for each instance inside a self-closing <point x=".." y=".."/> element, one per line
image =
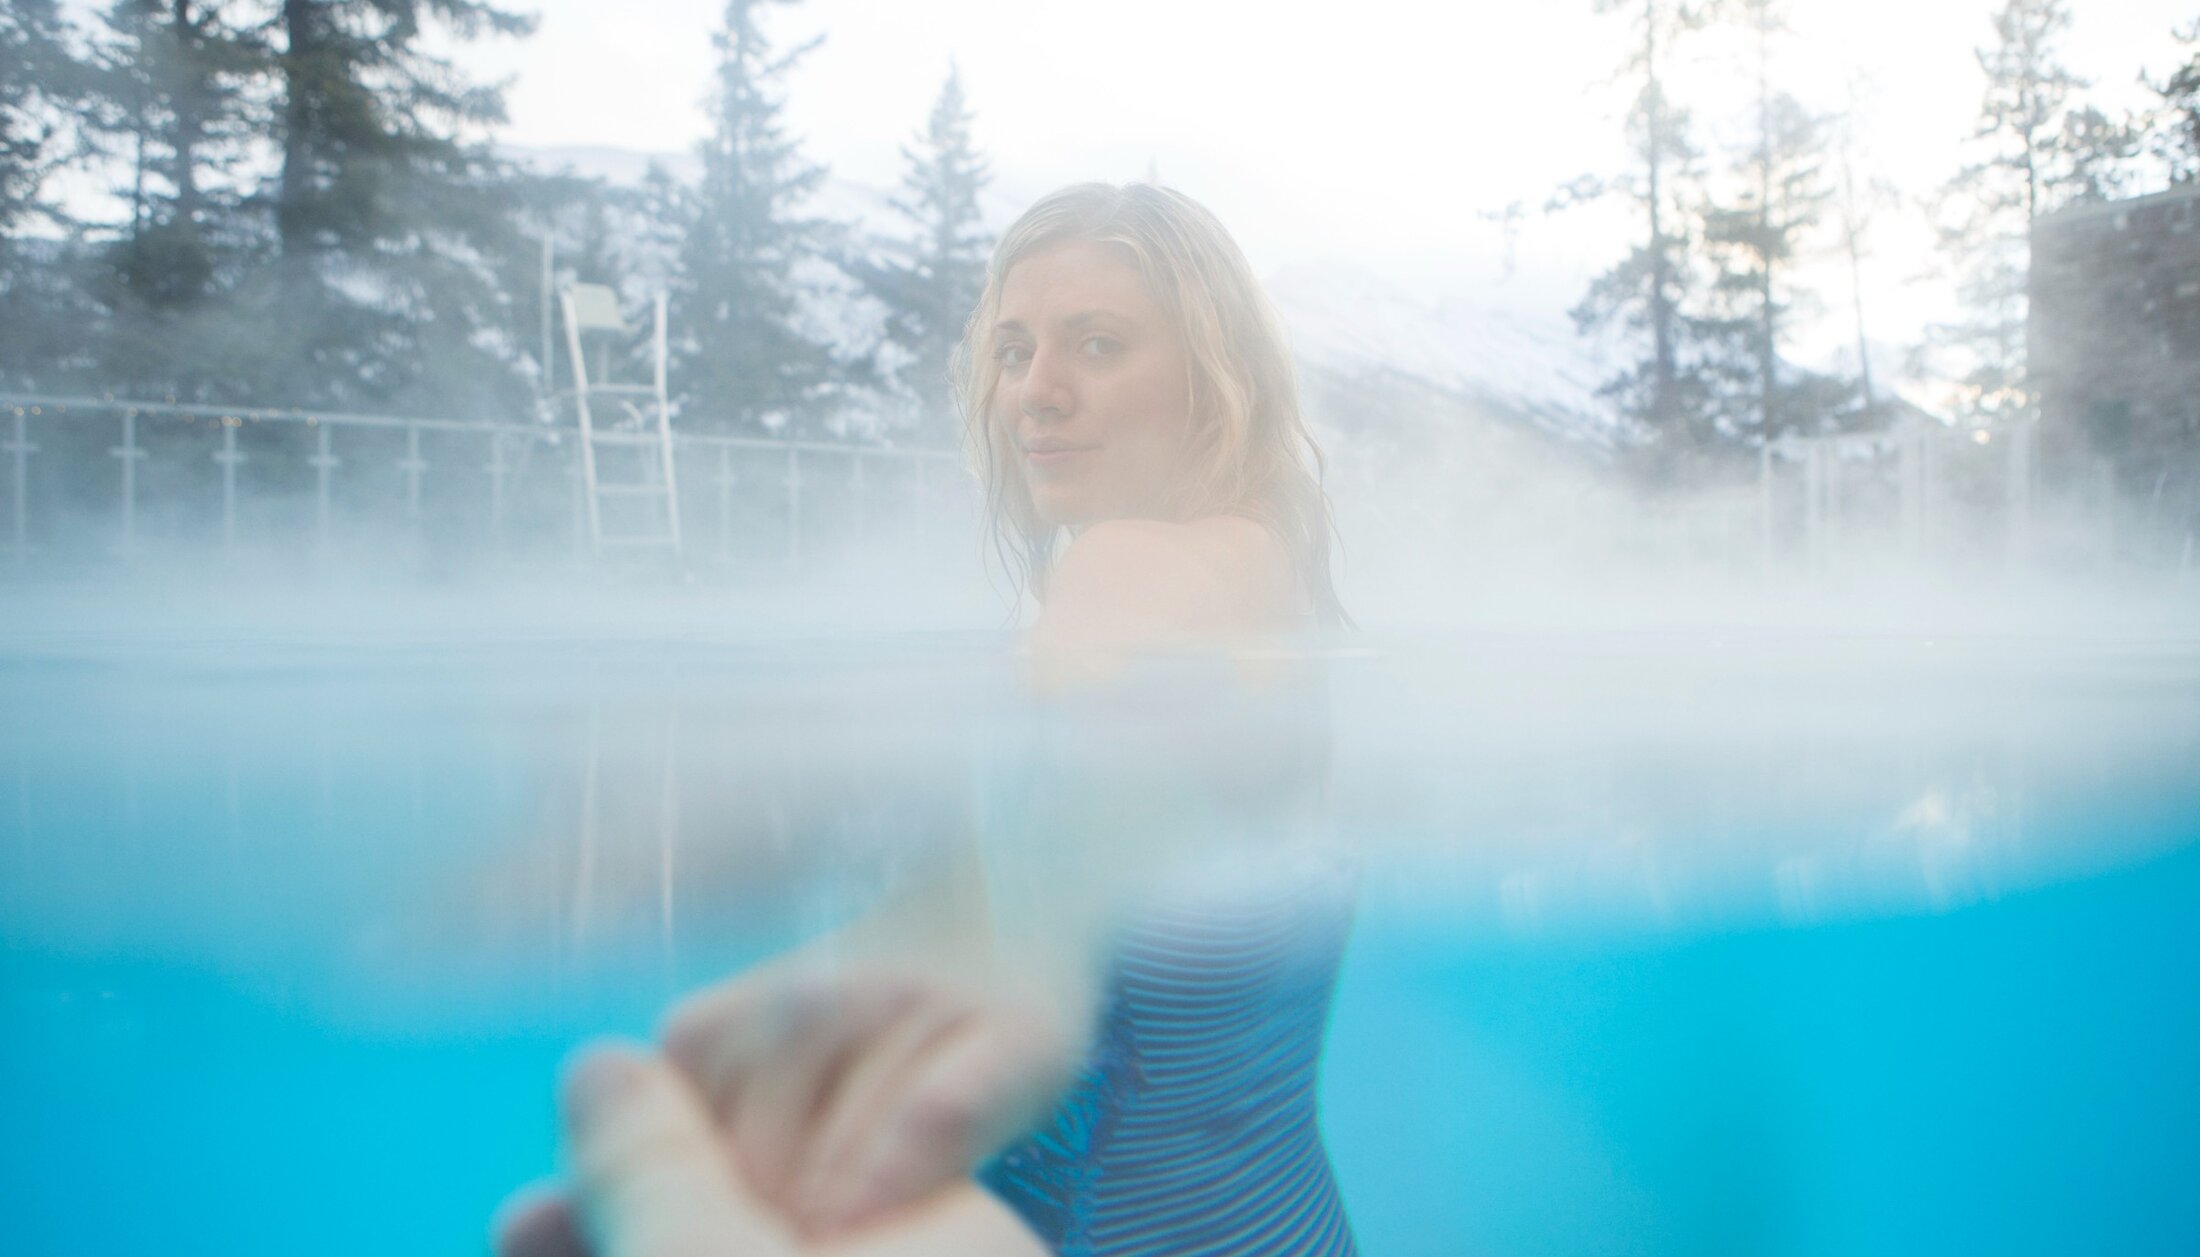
<point x="1126" y="383"/>
<point x="1128" y="389"/>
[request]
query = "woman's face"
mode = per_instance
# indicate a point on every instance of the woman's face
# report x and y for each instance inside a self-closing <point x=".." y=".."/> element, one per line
<point x="1094" y="390"/>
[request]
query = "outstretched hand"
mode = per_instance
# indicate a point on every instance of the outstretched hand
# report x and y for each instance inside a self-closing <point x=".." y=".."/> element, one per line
<point x="799" y="1112"/>
<point x="650" y="1177"/>
<point x="850" y="1095"/>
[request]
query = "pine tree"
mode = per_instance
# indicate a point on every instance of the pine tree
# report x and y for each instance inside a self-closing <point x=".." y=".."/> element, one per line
<point x="390" y="226"/>
<point x="741" y="359"/>
<point x="1646" y="292"/>
<point x="930" y="291"/>
<point x="1857" y="204"/>
<point x="1754" y="242"/>
<point x="622" y="237"/>
<point x="2036" y="154"/>
<point x="2174" y="139"/>
<point x="177" y="94"/>
<point x="41" y="77"/>
<point x="42" y="81"/>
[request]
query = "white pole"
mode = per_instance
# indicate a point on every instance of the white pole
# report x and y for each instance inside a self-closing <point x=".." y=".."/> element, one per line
<point x="229" y="457"/>
<point x="794" y="506"/>
<point x="412" y="466"/>
<point x="21" y="448"/>
<point x="856" y="491"/>
<point x="129" y="452"/>
<point x="549" y="341"/>
<point x="323" y="462"/>
<point x="588" y="429"/>
<point x="1910" y="478"/>
<point x="664" y="433"/>
<point x="1764" y="508"/>
<point x="725" y="501"/>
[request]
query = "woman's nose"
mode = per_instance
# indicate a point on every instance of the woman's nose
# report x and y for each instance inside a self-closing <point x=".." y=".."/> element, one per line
<point x="1047" y="393"/>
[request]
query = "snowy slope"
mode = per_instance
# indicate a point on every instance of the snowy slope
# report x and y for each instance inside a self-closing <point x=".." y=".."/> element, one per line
<point x="1503" y="360"/>
<point x="1483" y="357"/>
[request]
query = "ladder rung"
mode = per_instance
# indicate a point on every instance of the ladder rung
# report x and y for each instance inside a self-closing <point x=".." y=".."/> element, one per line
<point x="630" y="490"/>
<point x="634" y="390"/>
<point x="624" y="438"/>
<point x="659" y="539"/>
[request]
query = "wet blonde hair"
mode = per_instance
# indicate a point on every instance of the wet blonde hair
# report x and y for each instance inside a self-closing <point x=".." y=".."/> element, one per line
<point x="1251" y="453"/>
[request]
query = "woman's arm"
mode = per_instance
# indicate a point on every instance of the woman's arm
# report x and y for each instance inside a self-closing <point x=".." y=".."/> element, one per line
<point x="860" y="1077"/>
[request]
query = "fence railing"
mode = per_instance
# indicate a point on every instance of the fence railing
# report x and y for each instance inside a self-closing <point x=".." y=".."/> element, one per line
<point x="92" y="475"/>
<point x="1923" y="494"/>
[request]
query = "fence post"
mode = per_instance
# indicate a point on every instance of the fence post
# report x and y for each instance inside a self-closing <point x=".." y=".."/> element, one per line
<point x="496" y="471"/>
<point x="1911" y="477"/>
<point x="1764" y="508"/>
<point x="412" y="465"/>
<point x="1836" y="514"/>
<point x="22" y="449"/>
<point x="794" y="505"/>
<point x="2019" y="473"/>
<point x="855" y="489"/>
<point x="229" y="456"/>
<point x="1814" y="502"/>
<point x="323" y="462"/>
<point x="578" y="476"/>
<point x="724" y="481"/>
<point x="129" y="452"/>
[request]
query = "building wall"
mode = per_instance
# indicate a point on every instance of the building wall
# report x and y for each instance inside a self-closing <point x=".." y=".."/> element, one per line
<point x="2114" y="348"/>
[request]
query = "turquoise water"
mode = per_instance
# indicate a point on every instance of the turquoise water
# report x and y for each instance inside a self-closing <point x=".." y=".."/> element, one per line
<point x="1769" y="947"/>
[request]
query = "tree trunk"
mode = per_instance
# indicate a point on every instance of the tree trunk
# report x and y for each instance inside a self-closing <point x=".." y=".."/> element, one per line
<point x="1852" y="234"/>
<point x="1767" y="330"/>
<point x="294" y="196"/>
<point x="188" y="115"/>
<point x="1664" y="404"/>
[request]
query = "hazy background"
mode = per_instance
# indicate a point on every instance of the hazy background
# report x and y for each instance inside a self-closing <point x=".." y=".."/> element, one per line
<point x="1373" y="137"/>
<point x="816" y="197"/>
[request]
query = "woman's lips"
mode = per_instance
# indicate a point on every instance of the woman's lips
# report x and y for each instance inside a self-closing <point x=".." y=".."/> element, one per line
<point x="1056" y="455"/>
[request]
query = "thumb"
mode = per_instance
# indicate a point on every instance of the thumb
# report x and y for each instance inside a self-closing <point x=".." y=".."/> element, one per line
<point x="652" y="1177"/>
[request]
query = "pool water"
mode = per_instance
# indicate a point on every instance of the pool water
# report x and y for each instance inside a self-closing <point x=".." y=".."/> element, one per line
<point x="1664" y="946"/>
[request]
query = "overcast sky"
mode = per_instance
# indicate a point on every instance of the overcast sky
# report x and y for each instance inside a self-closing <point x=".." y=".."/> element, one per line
<point x="1372" y="132"/>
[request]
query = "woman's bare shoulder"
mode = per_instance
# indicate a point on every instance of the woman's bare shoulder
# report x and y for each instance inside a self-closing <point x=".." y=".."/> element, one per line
<point x="1221" y="572"/>
<point x="1248" y="553"/>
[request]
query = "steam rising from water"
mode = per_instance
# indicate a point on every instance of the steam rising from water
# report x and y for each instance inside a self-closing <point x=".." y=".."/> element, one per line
<point x="532" y="772"/>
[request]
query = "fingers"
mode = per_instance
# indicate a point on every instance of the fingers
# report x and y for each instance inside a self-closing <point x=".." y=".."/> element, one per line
<point x="870" y="1097"/>
<point x="724" y="1039"/>
<point x="537" y="1223"/>
<point x="921" y="1114"/>
<point x="845" y="1096"/>
<point x="767" y="1058"/>
<point x="652" y="1177"/>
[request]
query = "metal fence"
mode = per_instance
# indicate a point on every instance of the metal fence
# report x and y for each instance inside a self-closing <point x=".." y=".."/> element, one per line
<point x="1926" y="495"/>
<point x="91" y="478"/>
<point x="96" y="477"/>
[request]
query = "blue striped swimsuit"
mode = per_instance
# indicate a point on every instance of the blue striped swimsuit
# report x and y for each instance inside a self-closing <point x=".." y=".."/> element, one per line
<point x="1191" y="1131"/>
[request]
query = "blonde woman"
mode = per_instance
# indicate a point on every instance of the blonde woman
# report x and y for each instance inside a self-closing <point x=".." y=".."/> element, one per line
<point x="1134" y="416"/>
<point x="1127" y="386"/>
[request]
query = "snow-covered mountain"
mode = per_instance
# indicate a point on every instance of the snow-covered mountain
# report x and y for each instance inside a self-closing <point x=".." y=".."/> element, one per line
<point x="1509" y="362"/>
<point x="1368" y="347"/>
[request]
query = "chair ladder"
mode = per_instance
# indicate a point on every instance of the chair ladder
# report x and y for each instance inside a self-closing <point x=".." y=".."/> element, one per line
<point x="585" y="307"/>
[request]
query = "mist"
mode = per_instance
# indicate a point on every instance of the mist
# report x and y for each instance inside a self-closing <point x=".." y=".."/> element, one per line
<point x="471" y="582"/>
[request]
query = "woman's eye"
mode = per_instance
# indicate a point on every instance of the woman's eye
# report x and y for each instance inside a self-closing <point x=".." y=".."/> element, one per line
<point x="1012" y="355"/>
<point x="1099" y="346"/>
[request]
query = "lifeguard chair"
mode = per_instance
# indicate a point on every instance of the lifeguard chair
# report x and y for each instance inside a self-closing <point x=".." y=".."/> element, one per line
<point x="626" y="450"/>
